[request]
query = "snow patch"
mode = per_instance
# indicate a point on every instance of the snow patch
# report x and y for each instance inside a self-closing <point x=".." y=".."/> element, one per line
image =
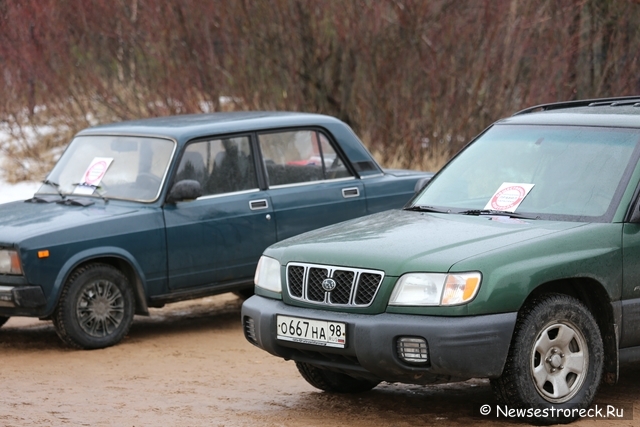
<point x="19" y="191"/>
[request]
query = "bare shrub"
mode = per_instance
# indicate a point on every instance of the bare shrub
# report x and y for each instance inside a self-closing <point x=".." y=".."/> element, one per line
<point x="417" y="79"/>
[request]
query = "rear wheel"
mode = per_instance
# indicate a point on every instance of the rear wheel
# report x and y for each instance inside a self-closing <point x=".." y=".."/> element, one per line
<point x="95" y="309"/>
<point x="3" y="320"/>
<point x="555" y="359"/>
<point x="327" y="380"/>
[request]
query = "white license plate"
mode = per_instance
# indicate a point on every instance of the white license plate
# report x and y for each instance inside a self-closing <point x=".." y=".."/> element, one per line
<point x="315" y="332"/>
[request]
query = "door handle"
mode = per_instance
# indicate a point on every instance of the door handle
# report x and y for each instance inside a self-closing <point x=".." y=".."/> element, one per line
<point x="350" y="192"/>
<point x="255" y="205"/>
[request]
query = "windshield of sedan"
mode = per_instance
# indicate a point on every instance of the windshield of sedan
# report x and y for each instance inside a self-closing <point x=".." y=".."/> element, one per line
<point x="550" y="172"/>
<point x="115" y="167"/>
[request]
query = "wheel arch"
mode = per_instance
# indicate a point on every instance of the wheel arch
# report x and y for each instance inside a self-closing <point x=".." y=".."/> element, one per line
<point x="115" y="257"/>
<point x="594" y="295"/>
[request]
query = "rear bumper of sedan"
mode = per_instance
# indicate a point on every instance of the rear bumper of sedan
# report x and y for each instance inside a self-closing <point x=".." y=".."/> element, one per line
<point x="458" y="348"/>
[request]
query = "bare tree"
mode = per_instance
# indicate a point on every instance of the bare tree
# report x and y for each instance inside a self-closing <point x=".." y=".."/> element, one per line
<point x="415" y="79"/>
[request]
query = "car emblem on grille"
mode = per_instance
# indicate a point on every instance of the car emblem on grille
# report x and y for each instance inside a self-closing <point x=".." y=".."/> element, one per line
<point x="328" y="284"/>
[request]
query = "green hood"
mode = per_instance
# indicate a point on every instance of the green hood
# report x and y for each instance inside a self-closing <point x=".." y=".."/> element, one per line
<point x="402" y="241"/>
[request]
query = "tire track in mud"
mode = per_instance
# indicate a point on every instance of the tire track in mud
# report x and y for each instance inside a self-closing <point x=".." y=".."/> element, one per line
<point x="188" y="364"/>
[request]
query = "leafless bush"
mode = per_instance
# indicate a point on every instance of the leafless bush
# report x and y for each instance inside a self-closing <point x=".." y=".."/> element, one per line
<point x="415" y="79"/>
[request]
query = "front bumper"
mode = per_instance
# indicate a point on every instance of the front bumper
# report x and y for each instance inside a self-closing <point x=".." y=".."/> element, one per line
<point x="15" y="294"/>
<point x="459" y="347"/>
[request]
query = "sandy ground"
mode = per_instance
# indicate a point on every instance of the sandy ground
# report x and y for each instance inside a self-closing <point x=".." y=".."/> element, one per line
<point x="188" y="364"/>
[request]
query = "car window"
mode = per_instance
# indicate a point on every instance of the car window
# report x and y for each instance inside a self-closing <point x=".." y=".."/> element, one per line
<point x="300" y="156"/>
<point x="220" y="165"/>
<point x="334" y="166"/>
<point x="118" y="167"/>
<point x="572" y="172"/>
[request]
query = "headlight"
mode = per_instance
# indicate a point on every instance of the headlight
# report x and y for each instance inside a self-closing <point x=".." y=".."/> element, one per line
<point x="268" y="275"/>
<point x="435" y="289"/>
<point x="10" y="262"/>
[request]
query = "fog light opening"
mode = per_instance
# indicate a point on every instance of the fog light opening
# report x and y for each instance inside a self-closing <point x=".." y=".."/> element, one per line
<point x="250" y="329"/>
<point x="413" y="350"/>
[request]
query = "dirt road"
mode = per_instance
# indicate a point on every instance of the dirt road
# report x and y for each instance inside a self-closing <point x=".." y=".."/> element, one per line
<point x="189" y="365"/>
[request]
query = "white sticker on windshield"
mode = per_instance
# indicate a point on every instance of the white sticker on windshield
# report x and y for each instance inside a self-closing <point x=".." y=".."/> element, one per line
<point x="93" y="175"/>
<point x="509" y="196"/>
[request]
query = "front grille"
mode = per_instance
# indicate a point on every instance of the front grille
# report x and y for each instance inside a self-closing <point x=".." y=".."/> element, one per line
<point x="314" y="284"/>
<point x="350" y="286"/>
<point x="296" y="276"/>
<point x="367" y="288"/>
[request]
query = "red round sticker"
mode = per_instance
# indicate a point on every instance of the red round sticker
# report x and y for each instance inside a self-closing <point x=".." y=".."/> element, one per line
<point x="507" y="198"/>
<point x="95" y="172"/>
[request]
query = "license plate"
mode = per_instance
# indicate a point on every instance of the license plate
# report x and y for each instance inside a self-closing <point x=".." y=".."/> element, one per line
<point x="315" y="332"/>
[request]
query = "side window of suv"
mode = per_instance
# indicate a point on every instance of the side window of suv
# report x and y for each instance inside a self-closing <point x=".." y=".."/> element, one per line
<point x="300" y="156"/>
<point x="220" y="165"/>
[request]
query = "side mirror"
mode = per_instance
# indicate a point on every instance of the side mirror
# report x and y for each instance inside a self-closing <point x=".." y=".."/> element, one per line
<point x="635" y="214"/>
<point x="187" y="189"/>
<point x="421" y="183"/>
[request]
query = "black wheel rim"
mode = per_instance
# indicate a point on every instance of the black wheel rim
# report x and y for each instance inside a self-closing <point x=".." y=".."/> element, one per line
<point x="100" y="308"/>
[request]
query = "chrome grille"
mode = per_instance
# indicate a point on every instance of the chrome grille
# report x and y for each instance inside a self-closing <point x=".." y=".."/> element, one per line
<point x="367" y="287"/>
<point x="314" y="284"/>
<point x="344" y="283"/>
<point x="296" y="275"/>
<point x="353" y="286"/>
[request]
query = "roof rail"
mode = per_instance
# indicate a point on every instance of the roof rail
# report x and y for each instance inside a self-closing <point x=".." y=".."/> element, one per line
<point x="619" y="100"/>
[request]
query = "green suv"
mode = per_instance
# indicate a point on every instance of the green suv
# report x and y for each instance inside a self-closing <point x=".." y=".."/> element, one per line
<point x="518" y="262"/>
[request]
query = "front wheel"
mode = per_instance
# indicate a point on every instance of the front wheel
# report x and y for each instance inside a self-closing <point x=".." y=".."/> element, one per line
<point x="555" y="360"/>
<point x="327" y="380"/>
<point x="3" y="320"/>
<point x="95" y="309"/>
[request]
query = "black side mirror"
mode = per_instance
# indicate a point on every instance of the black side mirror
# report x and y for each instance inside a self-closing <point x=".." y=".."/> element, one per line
<point x="635" y="214"/>
<point x="187" y="189"/>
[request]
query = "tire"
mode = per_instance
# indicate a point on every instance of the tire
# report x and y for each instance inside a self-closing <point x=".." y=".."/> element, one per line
<point x="327" y="380"/>
<point x="96" y="308"/>
<point x="3" y="320"/>
<point x="244" y="294"/>
<point x="555" y="360"/>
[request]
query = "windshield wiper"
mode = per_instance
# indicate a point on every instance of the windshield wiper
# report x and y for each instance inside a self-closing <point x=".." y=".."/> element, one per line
<point x="76" y="202"/>
<point x="479" y="212"/>
<point x="423" y="208"/>
<point x="54" y="185"/>
<point x="46" y="197"/>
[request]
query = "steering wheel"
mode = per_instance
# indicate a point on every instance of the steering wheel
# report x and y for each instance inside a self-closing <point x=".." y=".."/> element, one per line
<point x="147" y="180"/>
<point x="147" y="185"/>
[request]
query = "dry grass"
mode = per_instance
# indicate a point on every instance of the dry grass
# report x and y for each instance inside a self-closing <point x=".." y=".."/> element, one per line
<point x="430" y="160"/>
<point x="33" y="145"/>
<point x="37" y="140"/>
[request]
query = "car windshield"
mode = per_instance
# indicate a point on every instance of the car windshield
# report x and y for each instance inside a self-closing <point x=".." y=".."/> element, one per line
<point x="549" y="172"/>
<point x="115" y="167"/>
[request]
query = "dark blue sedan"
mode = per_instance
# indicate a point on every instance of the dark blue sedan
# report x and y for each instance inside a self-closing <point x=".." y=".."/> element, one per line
<point x="142" y="213"/>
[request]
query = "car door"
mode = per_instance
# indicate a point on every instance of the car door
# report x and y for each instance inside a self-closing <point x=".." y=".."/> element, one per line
<point x="310" y="185"/>
<point x="218" y="238"/>
<point x="630" y="333"/>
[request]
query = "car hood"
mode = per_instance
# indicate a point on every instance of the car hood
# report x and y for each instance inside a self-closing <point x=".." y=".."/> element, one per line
<point x="403" y="241"/>
<point x="20" y="221"/>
